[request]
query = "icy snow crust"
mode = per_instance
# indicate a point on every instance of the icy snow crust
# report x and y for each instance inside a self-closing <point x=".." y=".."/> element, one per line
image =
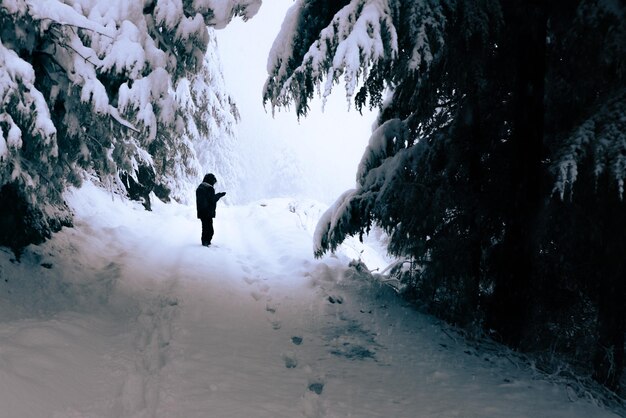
<point x="126" y="315"/>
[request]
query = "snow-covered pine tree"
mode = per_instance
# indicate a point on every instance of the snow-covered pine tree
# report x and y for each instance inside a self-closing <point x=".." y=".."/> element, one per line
<point x="412" y="180"/>
<point x="206" y="142"/>
<point x="586" y="136"/>
<point x="480" y="97"/>
<point x="91" y="85"/>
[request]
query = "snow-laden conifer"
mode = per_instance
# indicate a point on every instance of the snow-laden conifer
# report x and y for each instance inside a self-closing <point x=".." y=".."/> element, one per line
<point x="478" y="99"/>
<point x="90" y="84"/>
<point x="354" y="44"/>
<point x="206" y="143"/>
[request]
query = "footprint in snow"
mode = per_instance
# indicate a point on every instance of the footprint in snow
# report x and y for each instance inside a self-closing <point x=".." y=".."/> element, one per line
<point x="276" y="324"/>
<point x="250" y="280"/>
<point x="271" y="308"/>
<point x="311" y="400"/>
<point x="168" y="303"/>
<point x="316" y="382"/>
<point x="296" y="340"/>
<point x="291" y="362"/>
<point x="335" y="299"/>
<point x="316" y="387"/>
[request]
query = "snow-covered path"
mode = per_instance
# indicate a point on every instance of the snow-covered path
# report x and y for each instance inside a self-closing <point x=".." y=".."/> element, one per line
<point x="126" y="315"/>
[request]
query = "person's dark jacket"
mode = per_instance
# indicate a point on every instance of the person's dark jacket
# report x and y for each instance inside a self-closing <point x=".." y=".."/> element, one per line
<point x="206" y="200"/>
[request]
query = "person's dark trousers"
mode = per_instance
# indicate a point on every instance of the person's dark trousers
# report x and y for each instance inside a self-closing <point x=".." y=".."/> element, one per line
<point x="207" y="230"/>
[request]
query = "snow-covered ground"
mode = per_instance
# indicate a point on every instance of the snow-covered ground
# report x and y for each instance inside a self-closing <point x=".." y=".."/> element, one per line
<point x="126" y="315"/>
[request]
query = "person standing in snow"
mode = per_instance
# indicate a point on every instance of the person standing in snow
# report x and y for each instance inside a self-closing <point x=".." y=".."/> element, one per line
<point x="206" y="201"/>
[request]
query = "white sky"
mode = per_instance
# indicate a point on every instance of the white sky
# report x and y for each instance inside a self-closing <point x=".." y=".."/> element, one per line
<point x="329" y="144"/>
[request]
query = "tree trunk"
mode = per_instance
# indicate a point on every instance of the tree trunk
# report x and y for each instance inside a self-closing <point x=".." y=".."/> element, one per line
<point x="475" y="225"/>
<point x="527" y="23"/>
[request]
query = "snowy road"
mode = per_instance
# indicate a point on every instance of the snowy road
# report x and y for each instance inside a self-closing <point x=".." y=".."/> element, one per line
<point x="126" y="315"/>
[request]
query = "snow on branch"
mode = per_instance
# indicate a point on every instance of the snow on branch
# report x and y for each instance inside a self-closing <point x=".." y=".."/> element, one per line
<point x="385" y="141"/>
<point x="225" y="10"/>
<point x="425" y="23"/>
<point x="97" y="42"/>
<point x="360" y="34"/>
<point x="22" y="101"/>
<point x="334" y="225"/>
<point x="603" y="137"/>
<point x="380" y="179"/>
<point x="377" y="39"/>
<point x="54" y="11"/>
